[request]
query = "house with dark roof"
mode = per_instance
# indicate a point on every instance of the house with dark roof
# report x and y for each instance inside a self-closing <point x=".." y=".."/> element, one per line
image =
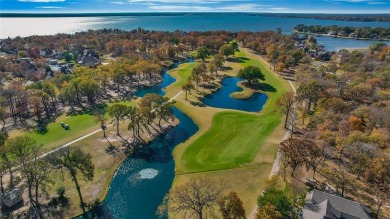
<point x="89" y="58"/>
<point x="322" y="205"/>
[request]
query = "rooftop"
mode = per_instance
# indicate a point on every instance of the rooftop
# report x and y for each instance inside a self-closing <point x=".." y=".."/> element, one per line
<point x="321" y="205"/>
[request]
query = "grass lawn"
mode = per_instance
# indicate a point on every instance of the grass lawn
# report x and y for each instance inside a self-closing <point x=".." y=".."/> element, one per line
<point x="244" y="94"/>
<point x="184" y="72"/>
<point x="232" y="141"/>
<point x="57" y="136"/>
<point x="247" y="182"/>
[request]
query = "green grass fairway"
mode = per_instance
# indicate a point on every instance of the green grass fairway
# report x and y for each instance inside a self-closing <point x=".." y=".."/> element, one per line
<point x="236" y="138"/>
<point x="185" y="73"/>
<point x="233" y="140"/>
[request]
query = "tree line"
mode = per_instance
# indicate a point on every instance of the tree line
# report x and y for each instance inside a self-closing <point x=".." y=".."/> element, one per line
<point x="361" y="32"/>
<point x="340" y="124"/>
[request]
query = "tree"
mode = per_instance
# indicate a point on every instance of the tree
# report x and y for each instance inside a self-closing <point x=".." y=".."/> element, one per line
<point x="164" y="111"/>
<point x="52" y="91"/>
<point x="235" y="46"/>
<point x="311" y="91"/>
<point x="68" y="57"/>
<point x="285" y="104"/>
<point x="226" y="50"/>
<point x="197" y="73"/>
<point x="294" y="152"/>
<point x="197" y="197"/>
<point x="150" y="106"/>
<point x="187" y="87"/>
<point x="216" y="63"/>
<point x="77" y="163"/>
<point x="277" y="198"/>
<point x="6" y="160"/>
<point x="100" y="117"/>
<point x="212" y="67"/>
<point x="382" y="196"/>
<point x="252" y="74"/>
<point x="340" y="177"/>
<point x="315" y="155"/>
<point x="3" y="116"/>
<point x="202" y="53"/>
<point x="268" y="211"/>
<point x="231" y="207"/>
<point x="34" y="171"/>
<point x="118" y="112"/>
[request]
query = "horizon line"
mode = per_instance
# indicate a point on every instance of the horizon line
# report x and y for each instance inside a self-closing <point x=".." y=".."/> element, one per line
<point x="2" y="14"/>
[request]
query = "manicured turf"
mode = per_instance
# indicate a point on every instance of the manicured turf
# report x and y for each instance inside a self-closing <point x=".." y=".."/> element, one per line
<point x="235" y="138"/>
<point x="56" y="135"/>
<point x="244" y="94"/>
<point x="185" y="72"/>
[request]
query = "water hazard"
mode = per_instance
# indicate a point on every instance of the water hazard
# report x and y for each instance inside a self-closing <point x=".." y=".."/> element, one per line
<point x="222" y="99"/>
<point x="143" y="179"/>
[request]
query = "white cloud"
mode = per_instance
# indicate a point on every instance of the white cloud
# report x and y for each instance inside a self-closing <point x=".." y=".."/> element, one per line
<point x="119" y="3"/>
<point x="49" y="7"/>
<point x="377" y="3"/>
<point x="243" y="7"/>
<point x="179" y="8"/>
<point x="45" y="1"/>
<point x="353" y="1"/>
<point x="183" y="2"/>
<point x="279" y="9"/>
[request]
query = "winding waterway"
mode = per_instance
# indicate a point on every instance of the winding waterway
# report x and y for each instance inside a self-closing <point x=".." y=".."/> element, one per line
<point x="143" y="179"/>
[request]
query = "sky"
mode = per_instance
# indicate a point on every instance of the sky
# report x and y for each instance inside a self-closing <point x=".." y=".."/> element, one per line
<point x="275" y="6"/>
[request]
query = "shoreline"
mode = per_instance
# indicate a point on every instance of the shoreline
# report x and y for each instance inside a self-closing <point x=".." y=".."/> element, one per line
<point x="341" y="37"/>
<point x="106" y="188"/>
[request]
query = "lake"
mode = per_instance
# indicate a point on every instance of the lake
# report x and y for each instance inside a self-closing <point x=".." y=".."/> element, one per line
<point x="188" y="22"/>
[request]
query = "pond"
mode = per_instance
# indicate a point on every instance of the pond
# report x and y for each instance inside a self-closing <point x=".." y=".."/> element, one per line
<point x="143" y="179"/>
<point x="167" y="80"/>
<point x="222" y="99"/>
<point x="159" y="88"/>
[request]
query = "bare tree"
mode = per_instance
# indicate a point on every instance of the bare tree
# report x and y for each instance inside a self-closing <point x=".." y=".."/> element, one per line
<point x="77" y="163"/>
<point x="382" y="196"/>
<point x="285" y="104"/>
<point x="196" y="197"/>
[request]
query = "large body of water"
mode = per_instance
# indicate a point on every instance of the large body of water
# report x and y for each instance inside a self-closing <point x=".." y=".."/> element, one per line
<point x="201" y="22"/>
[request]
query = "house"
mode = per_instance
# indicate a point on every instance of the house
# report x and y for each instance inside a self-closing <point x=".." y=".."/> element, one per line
<point x="89" y="58"/>
<point x="322" y="205"/>
<point x="90" y="61"/>
<point x="12" y="197"/>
